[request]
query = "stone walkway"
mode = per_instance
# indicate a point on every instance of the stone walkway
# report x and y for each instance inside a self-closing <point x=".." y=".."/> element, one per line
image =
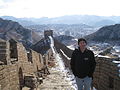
<point x="55" y="81"/>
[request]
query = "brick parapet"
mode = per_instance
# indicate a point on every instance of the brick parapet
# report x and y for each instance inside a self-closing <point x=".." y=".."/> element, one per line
<point x="106" y="76"/>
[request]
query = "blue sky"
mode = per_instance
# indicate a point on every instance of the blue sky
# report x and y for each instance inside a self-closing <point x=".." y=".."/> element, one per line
<point x="56" y="8"/>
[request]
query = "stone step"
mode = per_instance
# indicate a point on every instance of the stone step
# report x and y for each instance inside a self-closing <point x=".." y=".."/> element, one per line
<point x="55" y="81"/>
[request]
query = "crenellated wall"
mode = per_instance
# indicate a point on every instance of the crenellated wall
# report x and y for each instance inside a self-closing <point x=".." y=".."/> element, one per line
<point x="4" y="52"/>
<point x="107" y="74"/>
<point x="17" y="63"/>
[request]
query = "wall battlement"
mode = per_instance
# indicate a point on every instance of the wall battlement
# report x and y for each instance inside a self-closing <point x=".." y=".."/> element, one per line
<point x="17" y="64"/>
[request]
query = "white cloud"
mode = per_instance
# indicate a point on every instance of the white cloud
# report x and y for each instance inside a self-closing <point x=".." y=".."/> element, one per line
<point x="53" y="8"/>
<point x="7" y="0"/>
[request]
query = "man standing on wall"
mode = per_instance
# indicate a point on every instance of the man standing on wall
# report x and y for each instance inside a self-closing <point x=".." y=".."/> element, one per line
<point x="83" y="65"/>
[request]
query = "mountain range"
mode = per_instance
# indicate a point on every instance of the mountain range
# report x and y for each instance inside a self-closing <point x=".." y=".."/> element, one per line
<point x="91" y="20"/>
<point x="13" y="30"/>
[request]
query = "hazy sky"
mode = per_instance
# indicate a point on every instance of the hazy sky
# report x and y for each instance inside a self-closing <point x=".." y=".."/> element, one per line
<point x="55" y="8"/>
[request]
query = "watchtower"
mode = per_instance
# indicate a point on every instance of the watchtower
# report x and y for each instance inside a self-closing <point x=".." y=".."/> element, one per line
<point x="48" y="33"/>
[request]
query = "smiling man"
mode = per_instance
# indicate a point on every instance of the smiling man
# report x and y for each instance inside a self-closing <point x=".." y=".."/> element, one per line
<point x="83" y="65"/>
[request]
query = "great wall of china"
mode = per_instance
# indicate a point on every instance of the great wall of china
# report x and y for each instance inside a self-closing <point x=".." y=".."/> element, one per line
<point x="20" y="67"/>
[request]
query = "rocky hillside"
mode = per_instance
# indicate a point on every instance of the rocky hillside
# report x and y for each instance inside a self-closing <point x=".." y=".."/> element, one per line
<point x="109" y="34"/>
<point x="10" y="29"/>
<point x="42" y="46"/>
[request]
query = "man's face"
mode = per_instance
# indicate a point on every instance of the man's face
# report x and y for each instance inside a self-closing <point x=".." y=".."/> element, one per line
<point x="82" y="44"/>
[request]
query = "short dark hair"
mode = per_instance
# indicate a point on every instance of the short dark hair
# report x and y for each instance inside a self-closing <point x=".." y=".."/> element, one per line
<point x="81" y="39"/>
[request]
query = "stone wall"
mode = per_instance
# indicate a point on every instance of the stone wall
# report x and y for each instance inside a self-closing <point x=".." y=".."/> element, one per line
<point x="16" y="66"/>
<point x="4" y="52"/>
<point x="107" y="74"/>
<point x="36" y="58"/>
<point x="9" y="79"/>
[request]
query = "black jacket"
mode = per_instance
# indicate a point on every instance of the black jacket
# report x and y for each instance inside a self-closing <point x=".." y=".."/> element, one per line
<point x="83" y="64"/>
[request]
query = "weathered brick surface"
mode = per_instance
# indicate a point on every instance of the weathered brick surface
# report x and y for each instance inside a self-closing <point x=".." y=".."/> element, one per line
<point x="22" y="53"/>
<point x="4" y="52"/>
<point x="36" y="61"/>
<point x="12" y="73"/>
<point x="9" y="77"/>
<point x="106" y="76"/>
